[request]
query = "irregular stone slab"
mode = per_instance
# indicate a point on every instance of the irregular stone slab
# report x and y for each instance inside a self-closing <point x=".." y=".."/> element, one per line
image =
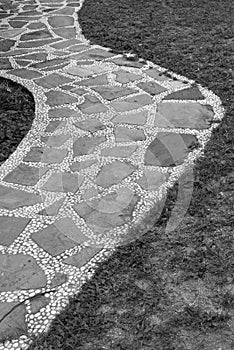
<point x="31" y="13"/>
<point x="151" y="87"/>
<point x="63" y="182"/>
<point x="60" y="21"/>
<point x="54" y="62"/>
<point x="85" y="145"/>
<point x="36" y="25"/>
<point x="130" y="103"/>
<point x="17" y="24"/>
<point x="115" y="209"/>
<point x="66" y="33"/>
<point x="78" y="91"/>
<point x="126" y="134"/>
<point x="25" y="175"/>
<point x="156" y="74"/>
<point x="100" y="80"/>
<point x="38" y="302"/>
<point x="11" y="198"/>
<point x="77" y="166"/>
<point x="5" y="63"/>
<point x="46" y="155"/>
<point x="138" y="118"/>
<point x="10" y="228"/>
<point x="152" y="180"/>
<point x="22" y="63"/>
<point x="63" y="112"/>
<point x="12" y="320"/>
<point x="53" y="80"/>
<point x="64" y="11"/>
<point x="122" y="61"/>
<point x="170" y="149"/>
<point x="92" y="105"/>
<point x="83" y="257"/>
<point x="53" y="68"/>
<point x="36" y="43"/>
<point x="55" y="140"/>
<point x="55" y="125"/>
<point x="87" y="72"/>
<point x="91" y="125"/>
<point x="78" y="48"/>
<point x="113" y="92"/>
<point x="6" y="44"/>
<point x="52" y="209"/>
<point x="11" y="33"/>
<point x="37" y="34"/>
<point x="121" y="151"/>
<point x="95" y="54"/>
<point x="39" y="56"/>
<point x="25" y="73"/>
<point x="56" y="238"/>
<point x="65" y="43"/>
<point x="125" y="77"/>
<point x="20" y="272"/>
<point x="58" y="280"/>
<point x="192" y="93"/>
<point x="183" y="115"/>
<point x="57" y="98"/>
<point x="114" y="173"/>
<point x="83" y="62"/>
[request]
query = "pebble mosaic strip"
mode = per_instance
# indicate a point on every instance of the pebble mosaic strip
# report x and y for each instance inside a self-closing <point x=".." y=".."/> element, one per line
<point x="111" y="134"/>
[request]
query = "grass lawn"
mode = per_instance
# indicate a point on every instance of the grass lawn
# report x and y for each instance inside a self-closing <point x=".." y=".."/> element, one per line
<point x="166" y="291"/>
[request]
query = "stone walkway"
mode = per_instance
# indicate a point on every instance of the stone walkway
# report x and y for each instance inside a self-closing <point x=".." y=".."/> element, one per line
<point x="111" y="134"/>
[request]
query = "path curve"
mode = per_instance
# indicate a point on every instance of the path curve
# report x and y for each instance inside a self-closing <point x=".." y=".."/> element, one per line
<point x="111" y="134"/>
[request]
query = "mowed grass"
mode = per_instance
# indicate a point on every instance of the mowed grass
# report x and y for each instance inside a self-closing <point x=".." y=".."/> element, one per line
<point x="167" y="290"/>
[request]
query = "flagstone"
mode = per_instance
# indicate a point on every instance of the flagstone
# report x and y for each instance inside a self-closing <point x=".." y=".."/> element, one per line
<point x="39" y="56"/>
<point x="77" y="166"/>
<point x="36" y="43"/>
<point x="85" y="145"/>
<point x="13" y="53"/>
<point x="95" y="54"/>
<point x="17" y="24"/>
<point x="92" y="105"/>
<point x="4" y="15"/>
<point x="114" y="173"/>
<point x="25" y="73"/>
<point x="105" y="213"/>
<point x="36" y="25"/>
<point x="22" y="63"/>
<point x="10" y="228"/>
<point x="124" y="77"/>
<point x="56" y="238"/>
<point x="58" y="280"/>
<point x="126" y="134"/>
<point x="63" y="112"/>
<point x="11" y="198"/>
<point x="170" y="149"/>
<point x="152" y="180"/>
<point x="183" y="115"/>
<point x="138" y="118"/>
<point x="20" y="271"/>
<point x="25" y="175"/>
<point x="86" y="72"/>
<point x="60" y="21"/>
<point x="78" y="48"/>
<point x="91" y="125"/>
<point x="192" y="93"/>
<point x="151" y="87"/>
<point x="55" y="125"/>
<point x="121" y="151"/>
<point x="156" y="74"/>
<point x="64" y="11"/>
<point x="68" y="87"/>
<point x="5" y="63"/>
<point x="27" y="18"/>
<point x="55" y="140"/>
<point x="130" y="103"/>
<point x="61" y="53"/>
<point x="57" y="98"/>
<point x="53" y="80"/>
<point x="11" y="33"/>
<point x="38" y="302"/>
<point x="99" y="80"/>
<point x="12" y="323"/>
<point x="54" y="68"/>
<point x="83" y="257"/>
<point x="113" y="92"/>
<point x="66" y="33"/>
<point x="48" y="63"/>
<point x="78" y="91"/>
<point x="122" y="61"/>
<point x="52" y="209"/>
<point x="6" y="44"/>
<point x="83" y="62"/>
<point x="46" y="155"/>
<point x="63" y="182"/>
<point x="37" y="34"/>
<point x="65" y="43"/>
<point x="31" y="13"/>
